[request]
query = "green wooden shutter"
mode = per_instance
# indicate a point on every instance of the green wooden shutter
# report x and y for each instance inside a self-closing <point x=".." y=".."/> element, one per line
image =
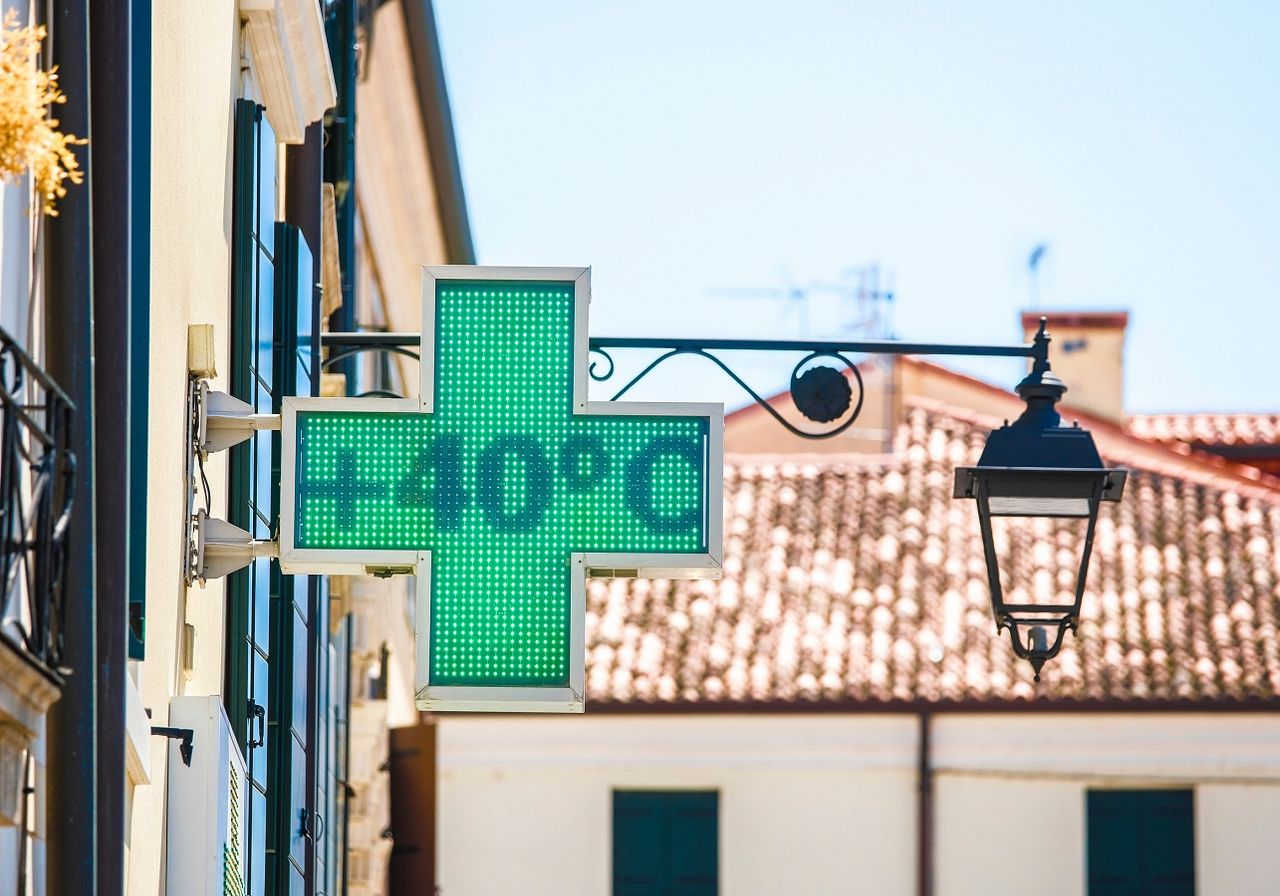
<point x="665" y="843"/>
<point x="638" y="843"/>
<point x="694" y="849"/>
<point x="1141" y="843"/>
<point x="1168" y="843"/>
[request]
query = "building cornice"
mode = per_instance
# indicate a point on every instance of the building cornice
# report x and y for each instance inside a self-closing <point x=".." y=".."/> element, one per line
<point x="291" y="65"/>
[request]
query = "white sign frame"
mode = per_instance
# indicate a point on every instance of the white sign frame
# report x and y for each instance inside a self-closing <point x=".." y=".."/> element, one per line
<point x="572" y="698"/>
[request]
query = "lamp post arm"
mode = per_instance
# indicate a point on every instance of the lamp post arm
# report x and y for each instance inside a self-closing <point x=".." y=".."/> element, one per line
<point x="822" y="393"/>
<point x="816" y="346"/>
<point x="821" y="347"/>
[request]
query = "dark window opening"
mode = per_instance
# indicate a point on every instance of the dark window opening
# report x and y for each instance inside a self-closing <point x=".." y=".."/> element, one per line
<point x="666" y="843"/>
<point x="1141" y="843"/>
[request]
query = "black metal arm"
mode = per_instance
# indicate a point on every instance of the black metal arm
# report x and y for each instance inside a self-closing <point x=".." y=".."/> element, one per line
<point x="820" y="346"/>
<point x="822" y="393"/>
<point x="184" y="736"/>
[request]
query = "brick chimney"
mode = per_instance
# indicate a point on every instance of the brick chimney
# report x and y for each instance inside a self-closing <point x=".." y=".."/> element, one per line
<point x="1087" y="353"/>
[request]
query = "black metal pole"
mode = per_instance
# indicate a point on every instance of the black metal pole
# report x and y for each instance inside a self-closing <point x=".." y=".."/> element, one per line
<point x="818" y="346"/>
<point x="110" y="71"/>
<point x="813" y="346"/>
<point x="924" y="809"/>
<point x="72" y="816"/>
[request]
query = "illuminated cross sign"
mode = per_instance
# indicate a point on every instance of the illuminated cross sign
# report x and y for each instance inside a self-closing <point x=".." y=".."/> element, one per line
<point x="502" y="488"/>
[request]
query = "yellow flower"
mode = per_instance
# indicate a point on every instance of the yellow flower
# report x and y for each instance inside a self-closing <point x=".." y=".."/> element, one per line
<point x="29" y="135"/>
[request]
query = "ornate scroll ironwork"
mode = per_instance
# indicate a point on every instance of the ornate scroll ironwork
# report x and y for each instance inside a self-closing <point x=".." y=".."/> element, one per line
<point x="37" y="474"/>
<point x="822" y="393"/>
<point x="809" y="408"/>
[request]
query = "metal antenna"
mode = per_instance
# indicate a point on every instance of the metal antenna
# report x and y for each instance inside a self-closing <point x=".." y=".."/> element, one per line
<point x="865" y="303"/>
<point x="1033" y="272"/>
<point x="794" y="298"/>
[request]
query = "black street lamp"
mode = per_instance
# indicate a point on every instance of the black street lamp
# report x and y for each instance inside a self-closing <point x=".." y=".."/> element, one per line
<point x="1037" y="467"/>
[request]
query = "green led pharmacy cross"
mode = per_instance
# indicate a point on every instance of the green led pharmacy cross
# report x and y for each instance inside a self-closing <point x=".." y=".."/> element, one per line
<point x="502" y="487"/>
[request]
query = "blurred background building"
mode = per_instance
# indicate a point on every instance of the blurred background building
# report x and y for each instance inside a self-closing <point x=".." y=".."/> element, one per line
<point x="839" y="715"/>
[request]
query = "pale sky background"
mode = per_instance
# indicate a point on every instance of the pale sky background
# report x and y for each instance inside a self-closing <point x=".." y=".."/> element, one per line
<point x="677" y="147"/>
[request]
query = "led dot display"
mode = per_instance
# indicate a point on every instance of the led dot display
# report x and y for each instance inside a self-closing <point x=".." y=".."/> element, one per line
<point x="501" y="483"/>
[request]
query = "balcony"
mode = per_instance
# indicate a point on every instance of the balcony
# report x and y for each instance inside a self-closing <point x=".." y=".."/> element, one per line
<point x="36" y="476"/>
<point x="37" y="470"/>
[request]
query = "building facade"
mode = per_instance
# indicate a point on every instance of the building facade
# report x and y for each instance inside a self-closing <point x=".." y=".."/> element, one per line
<point x="257" y="174"/>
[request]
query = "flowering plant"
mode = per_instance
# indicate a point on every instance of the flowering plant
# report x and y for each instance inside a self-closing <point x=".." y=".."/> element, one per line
<point x="29" y="136"/>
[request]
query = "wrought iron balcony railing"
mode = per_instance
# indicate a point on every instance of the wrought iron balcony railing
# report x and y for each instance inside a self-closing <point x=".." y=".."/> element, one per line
<point x="37" y="473"/>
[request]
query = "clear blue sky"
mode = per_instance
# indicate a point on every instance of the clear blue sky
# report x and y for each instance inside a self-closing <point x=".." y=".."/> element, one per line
<point x="682" y="146"/>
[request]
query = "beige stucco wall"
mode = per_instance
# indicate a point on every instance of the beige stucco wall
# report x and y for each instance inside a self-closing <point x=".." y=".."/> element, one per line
<point x="1017" y="784"/>
<point x="196" y="77"/>
<point x="998" y="836"/>
<point x="1237" y="829"/>
<point x="827" y="804"/>
<point x="807" y="804"/>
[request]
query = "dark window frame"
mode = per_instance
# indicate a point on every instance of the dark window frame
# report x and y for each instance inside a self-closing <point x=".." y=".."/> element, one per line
<point x="665" y="842"/>
<point x="1140" y="842"/>
<point x="277" y="663"/>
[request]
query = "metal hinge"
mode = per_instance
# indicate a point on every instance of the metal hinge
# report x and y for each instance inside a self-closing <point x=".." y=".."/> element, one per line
<point x="386" y="572"/>
<point x="185" y="735"/>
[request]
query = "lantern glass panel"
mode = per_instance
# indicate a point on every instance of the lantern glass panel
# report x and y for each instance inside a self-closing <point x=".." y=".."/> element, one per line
<point x="1039" y="558"/>
<point x="1042" y="507"/>
<point x="1038" y="493"/>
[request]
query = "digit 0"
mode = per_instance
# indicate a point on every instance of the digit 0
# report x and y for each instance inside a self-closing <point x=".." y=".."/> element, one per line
<point x="493" y="481"/>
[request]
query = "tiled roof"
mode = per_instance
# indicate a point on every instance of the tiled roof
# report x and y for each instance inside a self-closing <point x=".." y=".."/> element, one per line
<point x="1208" y="429"/>
<point x="856" y="580"/>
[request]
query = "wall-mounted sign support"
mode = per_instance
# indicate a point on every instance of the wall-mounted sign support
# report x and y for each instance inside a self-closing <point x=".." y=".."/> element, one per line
<point x="224" y="420"/>
<point x="212" y="548"/>
<point x="502" y="488"/>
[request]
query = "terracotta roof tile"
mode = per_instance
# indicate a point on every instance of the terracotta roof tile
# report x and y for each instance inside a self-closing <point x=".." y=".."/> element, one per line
<point x="1207" y="429"/>
<point x="861" y="580"/>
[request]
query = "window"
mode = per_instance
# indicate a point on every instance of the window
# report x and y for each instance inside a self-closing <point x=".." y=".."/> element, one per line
<point x="665" y="843"/>
<point x="276" y="689"/>
<point x="250" y="490"/>
<point x="1141" y="843"/>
